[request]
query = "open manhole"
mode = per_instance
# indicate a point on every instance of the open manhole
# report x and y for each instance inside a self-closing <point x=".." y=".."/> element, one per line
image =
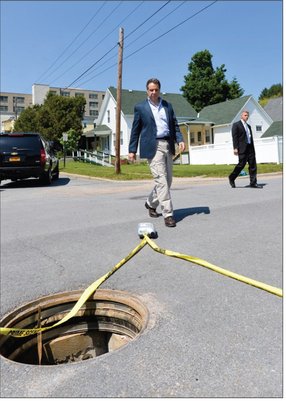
<point x="107" y="321"/>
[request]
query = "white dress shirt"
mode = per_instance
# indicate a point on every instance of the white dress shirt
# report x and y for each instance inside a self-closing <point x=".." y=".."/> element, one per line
<point x="160" y="117"/>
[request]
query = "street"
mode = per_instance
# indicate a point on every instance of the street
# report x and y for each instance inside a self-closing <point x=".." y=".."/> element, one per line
<point x="207" y="336"/>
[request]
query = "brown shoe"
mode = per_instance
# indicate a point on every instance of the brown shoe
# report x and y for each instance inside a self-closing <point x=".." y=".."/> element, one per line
<point x="170" y="222"/>
<point x="152" y="211"/>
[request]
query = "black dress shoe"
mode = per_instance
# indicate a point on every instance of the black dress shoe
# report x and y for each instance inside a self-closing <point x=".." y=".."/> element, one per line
<point x="152" y="211"/>
<point x="231" y="182"/>
<point x="255" y="186"/>
<point x="170" y="222"/>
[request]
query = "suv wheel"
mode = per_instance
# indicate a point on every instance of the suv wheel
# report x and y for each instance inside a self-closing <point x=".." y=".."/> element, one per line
<point x="56" y="173"/>
<point x="46" y="178"/>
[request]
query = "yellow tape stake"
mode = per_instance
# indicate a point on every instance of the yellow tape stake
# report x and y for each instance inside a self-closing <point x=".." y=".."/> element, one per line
<point x="201" y="262"/>
<point x="18" y="332"/>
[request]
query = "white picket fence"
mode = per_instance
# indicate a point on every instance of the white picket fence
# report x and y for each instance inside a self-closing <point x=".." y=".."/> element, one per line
<point x="268" y="150"/>
<point x="93" y="157"/>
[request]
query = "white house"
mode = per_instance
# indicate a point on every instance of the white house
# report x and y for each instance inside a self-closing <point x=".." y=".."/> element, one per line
<point x="223" y="115"/>
<point x="209" y="136"/>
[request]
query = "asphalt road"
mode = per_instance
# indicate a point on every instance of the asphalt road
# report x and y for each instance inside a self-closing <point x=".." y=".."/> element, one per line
<point x="208" y="335"/>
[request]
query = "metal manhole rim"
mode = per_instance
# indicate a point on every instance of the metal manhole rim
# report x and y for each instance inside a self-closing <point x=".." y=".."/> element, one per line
<point x="126" y="301"/>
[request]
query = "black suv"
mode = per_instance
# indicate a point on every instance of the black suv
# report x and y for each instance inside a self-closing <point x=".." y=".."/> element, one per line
<point x="25" y="155"/>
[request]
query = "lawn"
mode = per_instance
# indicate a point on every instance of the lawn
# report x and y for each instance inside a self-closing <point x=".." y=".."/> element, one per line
<point x="140" y="171"/>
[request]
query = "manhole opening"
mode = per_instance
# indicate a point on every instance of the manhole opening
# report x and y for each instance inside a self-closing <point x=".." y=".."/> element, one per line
<point x="106" y="322"/>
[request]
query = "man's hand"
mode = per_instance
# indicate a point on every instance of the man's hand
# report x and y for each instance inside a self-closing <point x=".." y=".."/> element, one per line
<point x="182" y="146"/>
<point x="132" y="157"/>
<point x="235" y="151"/>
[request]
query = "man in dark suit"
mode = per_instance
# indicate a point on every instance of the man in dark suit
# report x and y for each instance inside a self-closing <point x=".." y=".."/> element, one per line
<point x="156" y="126"/>
<point x="243" y="147"/>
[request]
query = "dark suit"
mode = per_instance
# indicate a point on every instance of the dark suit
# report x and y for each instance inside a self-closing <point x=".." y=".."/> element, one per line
<point x="246" y="152"/>
<point x="144" y="126"/>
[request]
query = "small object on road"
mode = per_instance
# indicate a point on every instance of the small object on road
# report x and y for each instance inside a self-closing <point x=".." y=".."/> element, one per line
<point x="147" y="229"/>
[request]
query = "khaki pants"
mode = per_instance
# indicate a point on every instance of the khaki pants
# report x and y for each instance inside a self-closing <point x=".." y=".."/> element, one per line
<point x="161" y="167"/>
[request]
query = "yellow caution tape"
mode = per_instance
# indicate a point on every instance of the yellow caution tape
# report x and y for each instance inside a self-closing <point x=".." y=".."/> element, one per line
<point x="18" y="332"/>
<point x="201" y="262"/>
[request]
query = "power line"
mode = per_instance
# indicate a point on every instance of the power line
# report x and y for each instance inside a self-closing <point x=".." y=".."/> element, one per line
<point x="152" y="15"/>
<point x="154" y="26"/>
<point x="84" y="41"/>
<point x="149" y="29"/>
<point x="176" y="26"/>
<point x="154" y="40"/>
<point x="68" y="86"/>
<point x="72" y="42"/>
<point x="99" y="42"/>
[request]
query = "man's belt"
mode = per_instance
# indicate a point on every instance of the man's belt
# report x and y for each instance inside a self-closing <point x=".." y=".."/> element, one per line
<point x="163" y="138"/>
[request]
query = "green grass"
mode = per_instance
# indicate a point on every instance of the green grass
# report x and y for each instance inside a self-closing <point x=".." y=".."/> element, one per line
<point x="141" y="171"/>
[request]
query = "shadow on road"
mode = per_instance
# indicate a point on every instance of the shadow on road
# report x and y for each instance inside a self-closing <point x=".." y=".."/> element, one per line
<point x="33" y="183"/>
<point x="180" y="214"/>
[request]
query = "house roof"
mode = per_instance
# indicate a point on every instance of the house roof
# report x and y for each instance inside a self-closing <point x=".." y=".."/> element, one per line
<point x="102" y="130"/>
<point x="224" y="112"/>
<point x="275" y="129"/>
<point x="274" y="108"/>
<point x="130" y="97"/>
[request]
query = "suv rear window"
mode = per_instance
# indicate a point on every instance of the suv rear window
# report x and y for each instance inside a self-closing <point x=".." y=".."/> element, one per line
<point x="7" y="143"/>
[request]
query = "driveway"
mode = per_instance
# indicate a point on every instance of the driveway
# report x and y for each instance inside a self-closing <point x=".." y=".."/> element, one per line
<point x="207" y="336"/>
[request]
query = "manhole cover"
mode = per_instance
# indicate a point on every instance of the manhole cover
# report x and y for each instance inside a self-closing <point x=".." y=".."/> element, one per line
<point x="107" y="321"/>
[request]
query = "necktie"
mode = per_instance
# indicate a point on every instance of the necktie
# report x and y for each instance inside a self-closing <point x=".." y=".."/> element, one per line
<point x="247" y="133"/>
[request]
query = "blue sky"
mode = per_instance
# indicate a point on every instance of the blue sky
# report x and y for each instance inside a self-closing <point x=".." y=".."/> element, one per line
<point x="55" y="42"/>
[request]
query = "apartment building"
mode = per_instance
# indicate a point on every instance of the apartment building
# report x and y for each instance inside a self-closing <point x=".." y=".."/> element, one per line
<point x="12" y="104"/>
<point x="93" y="98"/>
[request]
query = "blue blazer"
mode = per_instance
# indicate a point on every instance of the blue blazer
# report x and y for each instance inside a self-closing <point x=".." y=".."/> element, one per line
<point x="144" y="128"/>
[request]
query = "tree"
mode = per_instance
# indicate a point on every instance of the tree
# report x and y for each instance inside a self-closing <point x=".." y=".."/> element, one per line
<point x="28" y="120"/>
<point x="275" y="90"/>
<point x="57" y="115"/>
<point x="205" y="85"/>
<point x="73" y="139"/>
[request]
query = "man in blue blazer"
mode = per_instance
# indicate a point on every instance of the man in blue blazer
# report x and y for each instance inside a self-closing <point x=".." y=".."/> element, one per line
<point x="243" y="147"/>
<point x="156" y="127"/>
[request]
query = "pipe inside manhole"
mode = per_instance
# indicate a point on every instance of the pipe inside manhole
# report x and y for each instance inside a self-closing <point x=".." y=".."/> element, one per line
<point x="107" y="321"/>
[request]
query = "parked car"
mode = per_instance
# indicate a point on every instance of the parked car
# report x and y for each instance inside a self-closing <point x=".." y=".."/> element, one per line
<point x="27" y="154"/>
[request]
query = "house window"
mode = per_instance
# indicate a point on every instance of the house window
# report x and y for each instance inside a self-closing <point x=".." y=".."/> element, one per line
<point x="3" y="108"/>
<point x="192" y="137"/>
<point x="67" y="94"/>
<point x="108" y="116"/>
<point x="93" y="96"/>
<point x="78" y="94"/>
<point x="93" y="104"/>
<point x="93" y="113"/>
<point x="4" y="99"/>
<point x="199" y="136"/>
<point x="121" y="138"/>
<point x="258" y="128"/>
<point x="208" y="138"/>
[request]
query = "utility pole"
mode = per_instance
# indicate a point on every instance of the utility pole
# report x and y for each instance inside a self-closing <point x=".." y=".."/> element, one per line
<point x="15" y="101"/>
<point x="118" y="108"/>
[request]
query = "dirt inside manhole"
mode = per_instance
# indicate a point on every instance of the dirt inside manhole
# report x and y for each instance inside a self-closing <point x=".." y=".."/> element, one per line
<point x="109" y="320"/>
